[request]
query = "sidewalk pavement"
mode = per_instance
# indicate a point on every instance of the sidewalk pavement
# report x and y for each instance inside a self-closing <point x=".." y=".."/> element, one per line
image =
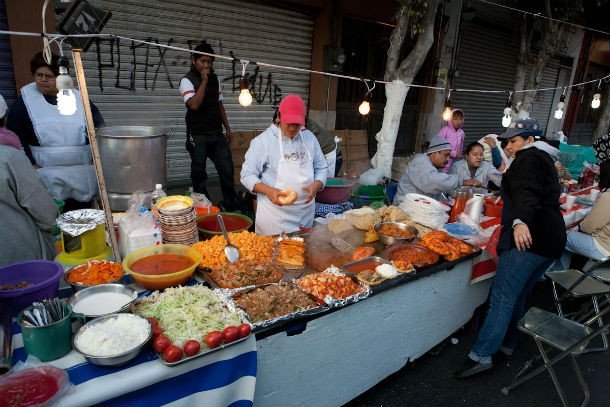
<point x="428" y="381"/>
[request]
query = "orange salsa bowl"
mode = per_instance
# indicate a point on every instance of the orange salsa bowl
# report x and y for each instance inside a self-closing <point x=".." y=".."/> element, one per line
<point x="162" y="266"/>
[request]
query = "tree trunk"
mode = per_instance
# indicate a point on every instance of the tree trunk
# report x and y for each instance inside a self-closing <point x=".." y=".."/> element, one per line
<point x="603" y="124"/>
<point x="396" y="92"/>
<point x="524" y="39"/>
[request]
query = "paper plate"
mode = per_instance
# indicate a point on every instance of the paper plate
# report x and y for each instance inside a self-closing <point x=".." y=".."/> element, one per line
<point x="175" y="205"/>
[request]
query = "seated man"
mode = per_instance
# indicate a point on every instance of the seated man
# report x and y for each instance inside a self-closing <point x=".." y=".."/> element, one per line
<point x="424" y="174"/>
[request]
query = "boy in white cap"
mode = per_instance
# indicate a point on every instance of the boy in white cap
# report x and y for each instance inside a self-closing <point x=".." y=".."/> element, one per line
<point x="424" y="174"/>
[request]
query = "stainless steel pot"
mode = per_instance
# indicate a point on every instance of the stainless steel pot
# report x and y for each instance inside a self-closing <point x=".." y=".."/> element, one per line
<point x="133" y="157"/>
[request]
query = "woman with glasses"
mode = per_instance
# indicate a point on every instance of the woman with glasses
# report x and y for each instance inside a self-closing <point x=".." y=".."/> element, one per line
<point x="56" y="144"/>
<point x="285" y="168"/>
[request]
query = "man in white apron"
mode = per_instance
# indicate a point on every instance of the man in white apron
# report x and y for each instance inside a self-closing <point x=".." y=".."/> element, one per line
<point x="285" y="156"/>
<point x="56" y="144"/>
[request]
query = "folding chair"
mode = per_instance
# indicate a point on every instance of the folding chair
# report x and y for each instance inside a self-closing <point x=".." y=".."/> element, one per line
<point x="589" y="283"/>
<point x="567" y="336"/>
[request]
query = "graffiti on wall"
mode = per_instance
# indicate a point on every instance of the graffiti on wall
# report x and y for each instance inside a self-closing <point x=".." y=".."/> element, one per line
<point x="147" y="66"/>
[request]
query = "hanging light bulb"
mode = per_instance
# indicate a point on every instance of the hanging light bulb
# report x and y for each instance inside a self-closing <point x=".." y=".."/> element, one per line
<point x="365" y="106"/>
<point x="506" y="118"/>
<point x="447" y="112"/>
<point x="66" y="99"/>
<point x="559" y="112"/>
<point x="596" y="102"/>
<point x="245" y="98"/>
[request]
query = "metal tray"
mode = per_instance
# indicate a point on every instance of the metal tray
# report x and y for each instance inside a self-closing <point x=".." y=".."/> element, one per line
<point x="287" y="317"/>
<point x="345" y="267"/>
<point x="202" y="353"/>
<point x="205" y="274"/>
<point x="412" y="246"/>
<point x="336" y="302"/>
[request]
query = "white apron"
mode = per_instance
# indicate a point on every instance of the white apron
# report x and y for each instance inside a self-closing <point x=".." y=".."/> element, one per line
<point x="272" y="219"/>
<point x="63" y="154"/>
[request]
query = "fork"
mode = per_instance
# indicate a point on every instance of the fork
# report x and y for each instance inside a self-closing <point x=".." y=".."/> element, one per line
<point x="341" y="245"/>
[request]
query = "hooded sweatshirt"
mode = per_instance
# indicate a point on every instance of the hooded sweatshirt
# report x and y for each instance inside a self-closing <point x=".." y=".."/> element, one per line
<point x="422" y="177"/>
<point x="530" y="190"/>
<point x="453" y="136"/>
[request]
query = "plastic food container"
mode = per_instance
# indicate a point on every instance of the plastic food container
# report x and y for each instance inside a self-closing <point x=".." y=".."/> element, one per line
<point x="43" y="277"/>
<point x="337" y="190"/>
<point x="234" y="222"/>
<point x="162" y="281"/>
<point x="494" y="211"/>
<point x="77" y="286"/>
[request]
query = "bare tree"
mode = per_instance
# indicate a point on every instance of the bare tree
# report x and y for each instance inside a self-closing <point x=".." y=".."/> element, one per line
<point x="415" y="16"/>
<point x="603" y="124"/>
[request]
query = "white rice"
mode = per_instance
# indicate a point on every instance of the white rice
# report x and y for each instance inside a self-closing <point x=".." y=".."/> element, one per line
<point x="113" y="336"/>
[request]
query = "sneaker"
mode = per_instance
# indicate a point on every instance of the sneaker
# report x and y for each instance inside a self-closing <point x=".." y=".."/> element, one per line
<point x="471" y="368"/>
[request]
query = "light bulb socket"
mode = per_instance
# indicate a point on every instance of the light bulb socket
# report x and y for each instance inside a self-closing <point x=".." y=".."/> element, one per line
<point x="63" y="62"/>
<point x="562" y="98"/>
<point x="243" y="83"/>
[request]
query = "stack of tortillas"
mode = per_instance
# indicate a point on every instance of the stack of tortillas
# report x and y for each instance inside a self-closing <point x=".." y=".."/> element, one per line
<point x="425" y="210"/>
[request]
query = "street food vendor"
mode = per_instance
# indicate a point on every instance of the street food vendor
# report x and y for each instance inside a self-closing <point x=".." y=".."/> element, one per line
<point x="474" y="171"/>
<point x="285" y="168"/>
<point x="28" y="211"/>
<point x="56" y="144"/>
<point x="424" y="174"/>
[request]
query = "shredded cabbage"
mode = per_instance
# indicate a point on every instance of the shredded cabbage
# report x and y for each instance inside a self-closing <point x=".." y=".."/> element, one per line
<point x="187" y="312"/>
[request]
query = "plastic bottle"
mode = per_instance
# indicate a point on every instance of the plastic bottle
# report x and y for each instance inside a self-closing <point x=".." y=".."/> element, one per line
<point x="157" y="194"/>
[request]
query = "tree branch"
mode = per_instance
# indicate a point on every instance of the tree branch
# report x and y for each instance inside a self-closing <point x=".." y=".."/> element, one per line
<point x="397" y="39"/>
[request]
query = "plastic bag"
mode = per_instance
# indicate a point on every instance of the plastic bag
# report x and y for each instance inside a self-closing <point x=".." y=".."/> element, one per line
<point x="371" y="177"/>
<point x="32" y="383"/>
<point x="481" y="237"/>
<point x="137" y="228"/>
<point x="201" y="201"/>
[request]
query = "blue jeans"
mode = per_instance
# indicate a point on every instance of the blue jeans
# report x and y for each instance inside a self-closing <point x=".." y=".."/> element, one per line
<point x="516" y="275"/>
<point x="579" y="243"/>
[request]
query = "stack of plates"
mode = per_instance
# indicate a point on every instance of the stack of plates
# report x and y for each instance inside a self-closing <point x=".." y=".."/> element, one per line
<point x="177" y="217"/>
<point x="425" y="210"/>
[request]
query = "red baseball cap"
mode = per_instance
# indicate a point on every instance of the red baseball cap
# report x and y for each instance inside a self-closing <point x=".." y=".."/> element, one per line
<point x="292" y="110"/>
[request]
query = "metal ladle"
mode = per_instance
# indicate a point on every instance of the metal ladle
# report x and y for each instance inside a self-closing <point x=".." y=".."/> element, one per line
<point x="232" y="252"/>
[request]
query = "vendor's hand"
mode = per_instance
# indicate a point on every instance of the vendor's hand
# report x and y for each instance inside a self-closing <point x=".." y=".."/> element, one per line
<point x="229" y="135"/>
<point x="522" y="236"/>
<point x="472" y="183"/>
<point x="490" y="141"/>
<point x="274" y="194"/>
<point x="312" y="189"/>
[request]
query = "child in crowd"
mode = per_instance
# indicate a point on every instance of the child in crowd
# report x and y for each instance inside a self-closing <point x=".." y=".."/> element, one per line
<point x="454" y="134"/>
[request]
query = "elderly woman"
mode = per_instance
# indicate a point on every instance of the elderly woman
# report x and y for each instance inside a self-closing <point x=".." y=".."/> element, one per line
<point x="592" y="239"/>
<point x="56" y="144"/>
<point x="530" y="190"/>
<point x="285" y="168"/>
<point x="28" y="211"/>
<point x="474" y="171"/>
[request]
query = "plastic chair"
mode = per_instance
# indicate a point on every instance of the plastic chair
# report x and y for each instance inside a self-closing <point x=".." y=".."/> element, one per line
<point x="578" y="284"/>
<point x="569" y="337"/>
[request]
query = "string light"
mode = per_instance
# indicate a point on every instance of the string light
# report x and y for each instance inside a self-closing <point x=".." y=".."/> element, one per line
<point x="66" y="100"/>
<point x="508" y="111"/>
<point x="245" y="97"/>
<point x="596" y="102"/>
<point x="559" y="112"/>
<point x="447" y="112"/>
<point x="365" y="106"/>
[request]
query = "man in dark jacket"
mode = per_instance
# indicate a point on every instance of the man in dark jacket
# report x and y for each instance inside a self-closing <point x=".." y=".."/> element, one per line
<point x="205" y="117"/>
<point x="533" y="236"/>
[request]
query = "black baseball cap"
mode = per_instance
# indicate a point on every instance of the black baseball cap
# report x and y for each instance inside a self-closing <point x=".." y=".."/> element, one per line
<point x="523" y="127"/>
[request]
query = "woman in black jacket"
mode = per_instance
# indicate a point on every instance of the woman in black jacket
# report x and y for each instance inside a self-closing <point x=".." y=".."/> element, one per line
<point x="533" y="236"/>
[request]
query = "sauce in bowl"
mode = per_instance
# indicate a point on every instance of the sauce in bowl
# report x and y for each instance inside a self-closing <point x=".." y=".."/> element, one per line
<point x="159" y="264"/>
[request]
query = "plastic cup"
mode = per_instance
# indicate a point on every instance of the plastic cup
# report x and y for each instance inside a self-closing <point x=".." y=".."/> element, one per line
<point x="570" y="200"/>
<point x="593" y="195"/>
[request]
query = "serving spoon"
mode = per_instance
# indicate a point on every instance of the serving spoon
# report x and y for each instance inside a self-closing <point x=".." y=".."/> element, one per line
<point x="232" y="252"/>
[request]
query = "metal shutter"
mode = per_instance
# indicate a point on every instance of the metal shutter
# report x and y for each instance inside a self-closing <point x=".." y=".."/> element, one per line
<point x="7" y="76"/>
<point x="486" y="60"/>
<point x="251" y="31"/>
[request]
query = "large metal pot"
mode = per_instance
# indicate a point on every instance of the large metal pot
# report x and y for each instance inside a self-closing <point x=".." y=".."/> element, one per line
<point x="133" y="158"/>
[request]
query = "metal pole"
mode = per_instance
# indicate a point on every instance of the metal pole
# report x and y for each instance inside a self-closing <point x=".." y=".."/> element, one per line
<point x="101" y="183"/>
